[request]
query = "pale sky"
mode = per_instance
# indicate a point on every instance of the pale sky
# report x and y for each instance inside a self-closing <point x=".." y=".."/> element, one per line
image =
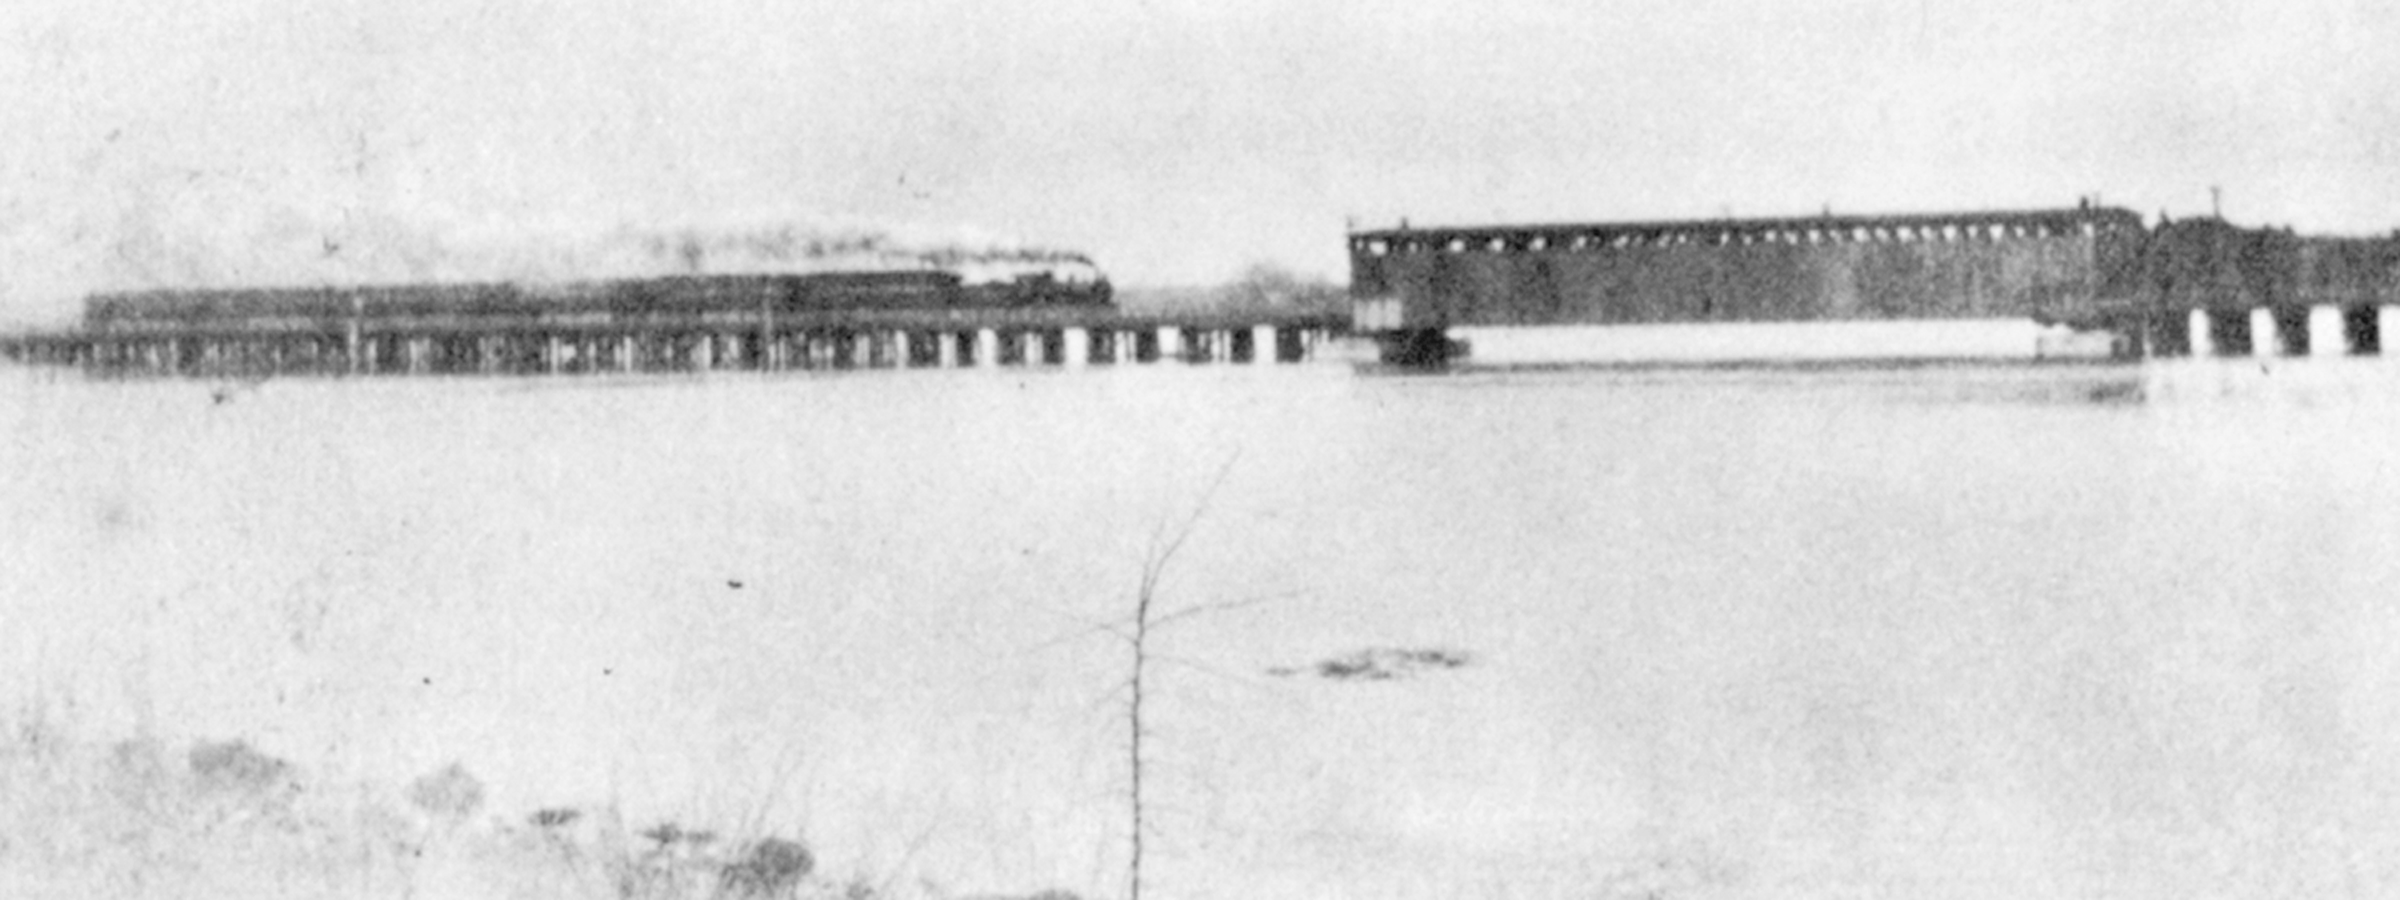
<point x="1176" y="141"/>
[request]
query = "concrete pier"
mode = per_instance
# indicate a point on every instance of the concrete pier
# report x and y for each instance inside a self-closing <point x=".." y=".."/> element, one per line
<point x="2292" y="334"/>
<point x="2229" y="332"/>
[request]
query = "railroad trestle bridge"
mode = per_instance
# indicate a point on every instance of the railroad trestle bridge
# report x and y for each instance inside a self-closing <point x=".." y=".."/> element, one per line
<point x="601" y="343"/>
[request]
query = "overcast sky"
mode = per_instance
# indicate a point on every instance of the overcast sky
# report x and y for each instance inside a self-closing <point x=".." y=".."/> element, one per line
<point x="1174" y="140"/>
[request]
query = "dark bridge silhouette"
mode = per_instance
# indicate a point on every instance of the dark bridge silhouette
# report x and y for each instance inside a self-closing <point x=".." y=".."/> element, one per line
<point x="2086" y="267"/>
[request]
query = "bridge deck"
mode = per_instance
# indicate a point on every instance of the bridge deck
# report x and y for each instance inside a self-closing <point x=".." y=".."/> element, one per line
<point x="752" y="340"/>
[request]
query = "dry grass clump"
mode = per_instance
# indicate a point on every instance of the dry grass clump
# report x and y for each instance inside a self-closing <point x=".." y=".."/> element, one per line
<point x="226" y="818"/>
<point x="132" y="819"/>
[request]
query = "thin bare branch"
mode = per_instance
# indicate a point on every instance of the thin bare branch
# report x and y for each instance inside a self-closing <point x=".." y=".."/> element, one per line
<point x="1160" y="554"/>
<point x="1200" y="609"/>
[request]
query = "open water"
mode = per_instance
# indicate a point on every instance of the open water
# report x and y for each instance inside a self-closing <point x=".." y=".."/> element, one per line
<point x="1993" y="630"/>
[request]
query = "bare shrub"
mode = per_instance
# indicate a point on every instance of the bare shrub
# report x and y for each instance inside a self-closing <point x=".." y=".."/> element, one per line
<point x="236" y="766"/>
<point x="449" y="792"/>
<point x="770" y="867"/>
<point x="554" y="817"/>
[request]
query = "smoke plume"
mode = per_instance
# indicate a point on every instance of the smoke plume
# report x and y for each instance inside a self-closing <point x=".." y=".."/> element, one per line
<point x="198" y="241"/>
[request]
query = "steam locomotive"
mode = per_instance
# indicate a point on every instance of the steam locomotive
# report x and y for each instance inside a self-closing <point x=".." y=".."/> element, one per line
<point x="663" y="298"/>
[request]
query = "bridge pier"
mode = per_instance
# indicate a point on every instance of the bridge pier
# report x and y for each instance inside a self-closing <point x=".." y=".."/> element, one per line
<point x="1291" y="344"/>
<point x="1194" y="343"/>
<point x="2229" y="332"/>
<point x="746" y="351"/>
<point x="752" y="350"/>
<point x="2357" y="324"/>
<point x="2292" y="335"/>
<point x="987" y="348"/>
<point x="425" y="355"/>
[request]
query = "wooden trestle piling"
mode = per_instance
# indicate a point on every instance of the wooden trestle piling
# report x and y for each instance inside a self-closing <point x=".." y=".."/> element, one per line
<point x="765" y="342"/>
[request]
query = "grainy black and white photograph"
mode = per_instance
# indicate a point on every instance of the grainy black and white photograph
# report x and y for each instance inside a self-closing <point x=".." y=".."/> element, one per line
<point x="1179" y="450"/>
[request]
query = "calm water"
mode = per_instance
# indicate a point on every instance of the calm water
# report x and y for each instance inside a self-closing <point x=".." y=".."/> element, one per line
<point x="1936" y="631"/>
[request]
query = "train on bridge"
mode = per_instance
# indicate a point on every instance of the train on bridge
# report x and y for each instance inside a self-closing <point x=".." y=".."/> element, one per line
<point x="657" y="299"/>
<point x="1062" y="313"/>
<point x="2086" y="267"/>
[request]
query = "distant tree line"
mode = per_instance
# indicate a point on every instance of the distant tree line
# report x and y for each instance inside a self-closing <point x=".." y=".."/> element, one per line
<point x="1260" y="286"/>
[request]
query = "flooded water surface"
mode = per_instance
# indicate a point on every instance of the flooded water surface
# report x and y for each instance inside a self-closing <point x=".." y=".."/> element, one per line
<point x="1928" y="631"/>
